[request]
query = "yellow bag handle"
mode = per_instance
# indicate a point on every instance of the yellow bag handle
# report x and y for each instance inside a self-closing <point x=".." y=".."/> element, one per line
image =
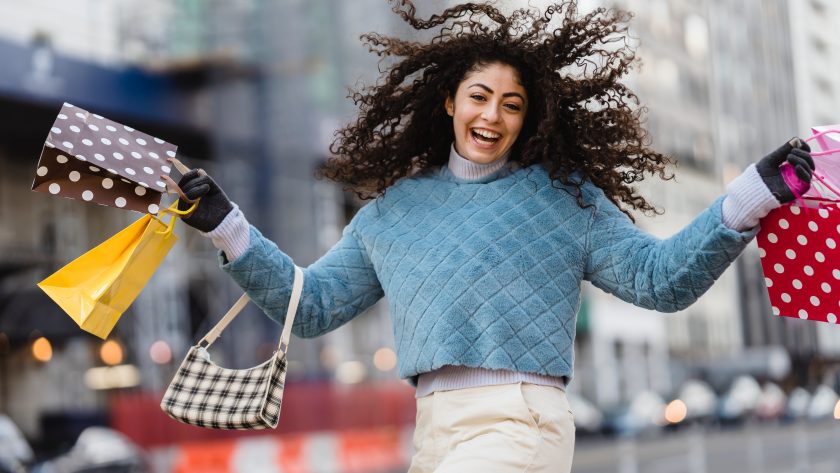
<point x="173" y="209"/>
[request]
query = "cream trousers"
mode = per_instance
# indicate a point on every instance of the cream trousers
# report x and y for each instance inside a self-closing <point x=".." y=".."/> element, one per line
<point x="494" y="429"/>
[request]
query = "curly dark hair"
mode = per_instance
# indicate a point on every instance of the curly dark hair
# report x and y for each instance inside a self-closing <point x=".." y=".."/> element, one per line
<point x="581" y="122"/>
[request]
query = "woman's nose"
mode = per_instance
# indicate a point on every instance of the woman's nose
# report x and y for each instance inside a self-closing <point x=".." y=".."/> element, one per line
<point x="490" y="113"/>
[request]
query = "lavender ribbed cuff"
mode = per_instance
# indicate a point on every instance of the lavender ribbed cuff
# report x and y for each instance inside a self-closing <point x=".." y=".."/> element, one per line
<point x="233" y="235"/>
<point x="448" y="378"/>
<point x="747" y="201"/>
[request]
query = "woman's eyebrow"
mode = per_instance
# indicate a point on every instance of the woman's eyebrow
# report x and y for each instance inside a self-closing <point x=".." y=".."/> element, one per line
<point x="490" y="91"/>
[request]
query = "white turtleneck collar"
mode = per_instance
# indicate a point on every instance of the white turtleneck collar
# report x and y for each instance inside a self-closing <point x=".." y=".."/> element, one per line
<point x="463" y="168"/>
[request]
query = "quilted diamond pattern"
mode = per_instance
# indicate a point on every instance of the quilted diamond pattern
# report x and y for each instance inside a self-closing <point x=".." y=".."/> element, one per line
<point x="488" y="274"/>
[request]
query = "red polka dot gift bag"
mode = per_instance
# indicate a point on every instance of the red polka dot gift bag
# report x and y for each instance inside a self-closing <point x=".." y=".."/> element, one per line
<point x="801" y="261"/>
<point x="91" y="158"/>
<point x="799" y="243"/>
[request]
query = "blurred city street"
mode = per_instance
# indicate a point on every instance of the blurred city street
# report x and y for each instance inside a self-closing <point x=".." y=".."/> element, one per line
<point x="253" y="92"/>
<point x="756" y="448"/>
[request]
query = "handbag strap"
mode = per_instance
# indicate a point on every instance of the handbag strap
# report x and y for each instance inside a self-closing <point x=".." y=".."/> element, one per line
<point x="297" y="289"/>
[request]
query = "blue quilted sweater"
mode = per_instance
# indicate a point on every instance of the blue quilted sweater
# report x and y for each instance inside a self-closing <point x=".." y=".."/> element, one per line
<point x="488" y="273"/>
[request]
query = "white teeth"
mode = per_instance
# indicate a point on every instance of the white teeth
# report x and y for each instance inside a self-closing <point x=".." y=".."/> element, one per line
<point x="486" y="133"/>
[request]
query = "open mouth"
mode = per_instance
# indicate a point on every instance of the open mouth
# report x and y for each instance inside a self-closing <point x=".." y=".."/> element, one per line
<point x="485" y="136"/>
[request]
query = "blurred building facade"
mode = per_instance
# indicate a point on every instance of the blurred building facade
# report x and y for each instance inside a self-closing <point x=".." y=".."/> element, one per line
<point x="267" y="111"/>
<point x="41" y="232"/>
<point x="632" y="350"/>
<point x="757" y="106"/>
<point x="724" y="83"/>
<point x="76" y="52"/>
<point x="814" y="38"/>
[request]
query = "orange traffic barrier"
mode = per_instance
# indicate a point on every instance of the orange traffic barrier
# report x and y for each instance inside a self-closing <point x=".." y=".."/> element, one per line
<point x="209" y="457"/>
<point x="346" y="451"/>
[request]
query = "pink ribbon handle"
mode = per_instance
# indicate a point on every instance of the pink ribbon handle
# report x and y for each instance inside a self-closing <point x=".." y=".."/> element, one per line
<point x="791" y="179"/>
<point x="824" y="152"/>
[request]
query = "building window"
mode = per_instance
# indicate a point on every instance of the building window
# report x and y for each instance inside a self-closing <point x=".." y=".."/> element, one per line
<point x="818" y="6"/>
<point x="667" y="75"/>
<point x="819" y="45"/>
<point x="660" y="19"/>
<point x="824" y="85"/>
<point x="696" y="36"/>
<point x="621" y="374"/>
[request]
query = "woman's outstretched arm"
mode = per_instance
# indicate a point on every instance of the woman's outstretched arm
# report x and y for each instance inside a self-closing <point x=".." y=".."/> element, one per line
<point x="337" y="287"/>
<point x="669" y="275"/>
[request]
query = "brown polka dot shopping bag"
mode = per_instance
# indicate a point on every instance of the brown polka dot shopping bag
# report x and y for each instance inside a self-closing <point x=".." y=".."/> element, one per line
<point x="799" y="243"/>
<point x="91" y="158"/>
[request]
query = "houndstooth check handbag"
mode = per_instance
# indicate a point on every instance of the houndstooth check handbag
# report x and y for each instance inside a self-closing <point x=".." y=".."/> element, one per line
<point x="207" y="395"/>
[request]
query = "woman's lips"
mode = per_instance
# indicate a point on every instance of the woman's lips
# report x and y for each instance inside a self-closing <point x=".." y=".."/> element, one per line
<point x="482" y="144"/>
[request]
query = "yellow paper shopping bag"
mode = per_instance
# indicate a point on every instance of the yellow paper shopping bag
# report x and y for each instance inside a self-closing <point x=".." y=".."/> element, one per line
<point x="97" y="287"/>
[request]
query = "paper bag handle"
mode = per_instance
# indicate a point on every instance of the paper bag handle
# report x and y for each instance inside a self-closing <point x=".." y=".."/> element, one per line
<point x="173" y="187"/>
<point x="179" y="165"/>
<point x="173" y="209"/>
<point x="824" y="152"/>
<point x="824" y="180"/>
<point x="294" y="299"/>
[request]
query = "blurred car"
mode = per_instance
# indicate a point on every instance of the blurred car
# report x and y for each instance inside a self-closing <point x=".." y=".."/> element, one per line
<point x="98" y="450"/>
<point x="822" y="403"/>
<point x="700" y="400"/>
<point x="797" y="404"/>
<point x="740" y="401"/>
<point x="771" y="402"/>
<point x="588" y="419"/>
<point x="15" y="452"/>
<point x="644" y="414"/>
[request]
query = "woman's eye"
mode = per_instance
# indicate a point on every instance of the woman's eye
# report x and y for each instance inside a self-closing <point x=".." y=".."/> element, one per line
<point x="513" y="107"/>
<point x="477" y="97"/>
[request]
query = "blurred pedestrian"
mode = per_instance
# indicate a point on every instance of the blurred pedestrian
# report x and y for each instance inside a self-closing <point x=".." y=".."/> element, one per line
<point x="501" y="158"/>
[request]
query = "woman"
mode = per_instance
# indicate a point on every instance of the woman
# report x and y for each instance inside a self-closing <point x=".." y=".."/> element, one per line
<point x="502" y="157"/>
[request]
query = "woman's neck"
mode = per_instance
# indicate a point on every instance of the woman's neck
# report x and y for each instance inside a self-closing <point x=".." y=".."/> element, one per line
<point x="463" y="168"/>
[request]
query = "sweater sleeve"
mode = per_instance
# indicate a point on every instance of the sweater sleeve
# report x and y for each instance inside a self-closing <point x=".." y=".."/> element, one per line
<point x="664" y="275"/>
<point x="337" y="287"/>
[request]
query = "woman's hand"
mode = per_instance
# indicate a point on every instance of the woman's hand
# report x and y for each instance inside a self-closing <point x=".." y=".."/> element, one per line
<point x="795" y="152"/>
<point x="213" y="206"/>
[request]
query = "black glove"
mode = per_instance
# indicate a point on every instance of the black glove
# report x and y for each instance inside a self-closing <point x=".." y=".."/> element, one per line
<point x="214" y="205"/>
<point x="795" y="152"/>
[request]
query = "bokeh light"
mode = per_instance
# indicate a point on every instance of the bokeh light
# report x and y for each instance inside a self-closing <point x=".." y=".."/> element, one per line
<point x="42" y="349"/>
<point x="385" y="359"/>
<point x="350" y="372"/>
<point x="160" y="352"/>
<point x="111" y="353"/>
<point x="676" y="411"/>
<point x="330" y="357"/>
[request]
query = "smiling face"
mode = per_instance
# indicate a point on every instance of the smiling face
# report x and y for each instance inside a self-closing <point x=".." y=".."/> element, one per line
<point x="487" y="112"/>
